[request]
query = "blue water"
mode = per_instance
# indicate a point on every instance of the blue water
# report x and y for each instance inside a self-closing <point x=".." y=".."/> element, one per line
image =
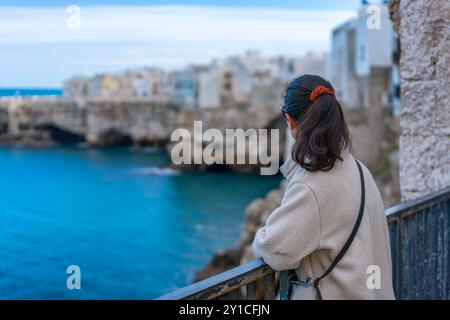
<point x="12" y="92"/>
<point x="135" y="231"/>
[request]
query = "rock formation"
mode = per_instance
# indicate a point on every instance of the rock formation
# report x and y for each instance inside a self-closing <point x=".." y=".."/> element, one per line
<point x="137" y="122"/>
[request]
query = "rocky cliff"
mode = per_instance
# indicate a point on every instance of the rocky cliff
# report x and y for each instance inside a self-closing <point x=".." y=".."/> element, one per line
<point x="136" y="122"/>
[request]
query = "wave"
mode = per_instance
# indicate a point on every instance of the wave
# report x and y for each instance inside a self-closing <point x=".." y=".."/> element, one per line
<point x="148" y="150"/>
<point x="157" y="171"/>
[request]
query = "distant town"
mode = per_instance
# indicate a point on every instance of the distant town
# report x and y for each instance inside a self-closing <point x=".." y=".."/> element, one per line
<point x="362" y="66"/>
<point x="225" y="81"/>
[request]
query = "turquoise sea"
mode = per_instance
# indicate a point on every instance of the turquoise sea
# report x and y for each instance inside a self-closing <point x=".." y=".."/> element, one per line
<point x="11" y="92"/>
<point x="136" y="231"/>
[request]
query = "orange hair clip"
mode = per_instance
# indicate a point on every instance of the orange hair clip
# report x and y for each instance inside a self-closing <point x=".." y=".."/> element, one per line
<point x="318" y="91"/>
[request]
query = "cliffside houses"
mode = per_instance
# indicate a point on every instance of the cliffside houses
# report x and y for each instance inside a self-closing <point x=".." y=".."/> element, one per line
<point x="144" y="83"/>
<point x="230" y="81"/>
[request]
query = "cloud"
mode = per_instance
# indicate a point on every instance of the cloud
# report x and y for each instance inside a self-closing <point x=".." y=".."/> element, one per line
<point x="115" y="37"/>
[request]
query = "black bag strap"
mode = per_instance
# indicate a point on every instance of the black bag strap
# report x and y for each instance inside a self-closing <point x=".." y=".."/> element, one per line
<point x="350" y="238"/>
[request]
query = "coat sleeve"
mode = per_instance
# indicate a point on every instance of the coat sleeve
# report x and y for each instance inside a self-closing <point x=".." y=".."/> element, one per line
<point x="292" y="231"/>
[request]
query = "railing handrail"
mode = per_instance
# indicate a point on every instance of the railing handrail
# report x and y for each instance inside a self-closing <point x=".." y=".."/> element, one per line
<point x="419" y="203"/>
<point x="227" y="281"/>
<point x="223" y="282"/>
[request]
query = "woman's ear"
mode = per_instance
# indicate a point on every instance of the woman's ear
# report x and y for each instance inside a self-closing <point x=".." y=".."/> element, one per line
<point x="291" y="122"/>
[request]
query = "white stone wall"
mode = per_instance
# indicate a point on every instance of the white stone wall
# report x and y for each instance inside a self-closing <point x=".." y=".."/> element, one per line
<point x="424" y="30"/>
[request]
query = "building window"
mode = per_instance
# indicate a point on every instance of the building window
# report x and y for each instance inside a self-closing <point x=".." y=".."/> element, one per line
<point x="397" y="91"/>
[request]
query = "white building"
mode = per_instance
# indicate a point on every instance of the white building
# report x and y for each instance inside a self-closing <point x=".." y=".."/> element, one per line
<point x="342" y="63"/>
<point x="226" y="82"/>
<point x="208" y="87"/>
<point x="151" y="83"/>
<point x="373" y="39"/>
<point x="361" y="58"/>
<point x="184" y="88"/>
<point x="105" y="85"/>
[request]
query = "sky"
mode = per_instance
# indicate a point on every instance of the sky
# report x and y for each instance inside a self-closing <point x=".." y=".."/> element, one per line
<point x="39" y="50"/>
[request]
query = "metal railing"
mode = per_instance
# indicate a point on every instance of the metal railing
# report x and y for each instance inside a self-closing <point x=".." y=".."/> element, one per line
<point x="254" y="280"/>
<point x="420" y="245"/>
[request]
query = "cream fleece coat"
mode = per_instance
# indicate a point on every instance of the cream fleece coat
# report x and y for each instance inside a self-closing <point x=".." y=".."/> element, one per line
<point x="316" y="216"/>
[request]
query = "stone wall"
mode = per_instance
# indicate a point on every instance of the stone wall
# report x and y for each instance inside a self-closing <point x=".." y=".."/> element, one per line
<point x="424" y="30"/>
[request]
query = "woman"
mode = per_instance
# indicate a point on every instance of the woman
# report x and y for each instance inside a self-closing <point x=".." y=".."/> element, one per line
<point x="331" y="226"/>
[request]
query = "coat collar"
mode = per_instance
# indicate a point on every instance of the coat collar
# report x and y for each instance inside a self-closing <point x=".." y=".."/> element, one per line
<point x="288" y="167"/>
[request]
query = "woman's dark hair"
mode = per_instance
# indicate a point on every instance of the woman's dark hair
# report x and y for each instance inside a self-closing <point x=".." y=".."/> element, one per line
<point x="322" y="133"/>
